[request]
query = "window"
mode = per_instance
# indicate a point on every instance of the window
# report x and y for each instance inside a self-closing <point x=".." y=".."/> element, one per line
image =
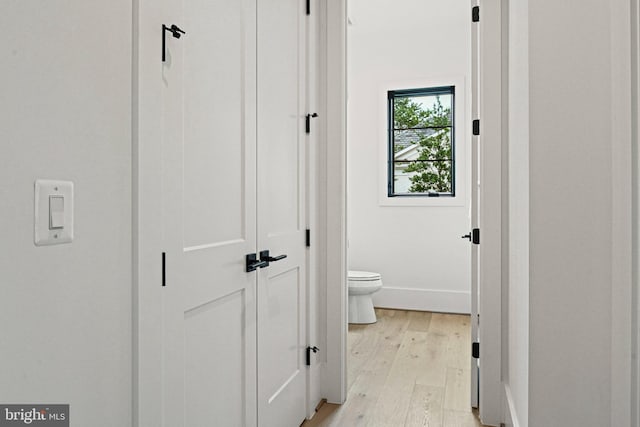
<point x="421" y="142"/>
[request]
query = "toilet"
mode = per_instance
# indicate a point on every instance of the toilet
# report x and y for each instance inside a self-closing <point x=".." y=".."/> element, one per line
<point x="362" y="285"/>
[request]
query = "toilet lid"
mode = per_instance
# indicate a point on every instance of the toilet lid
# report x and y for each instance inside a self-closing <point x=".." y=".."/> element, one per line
<point x="361" y="276"/>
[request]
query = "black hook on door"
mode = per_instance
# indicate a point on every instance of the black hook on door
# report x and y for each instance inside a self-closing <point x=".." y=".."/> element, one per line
<point x="175" y="31"/>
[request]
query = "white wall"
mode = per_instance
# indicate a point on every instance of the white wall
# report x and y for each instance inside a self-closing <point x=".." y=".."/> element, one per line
<point x="570" y="212"/>
<point x="417" y="249"/>
<point x="569" y="201"/>
<point x="65" y="310"/>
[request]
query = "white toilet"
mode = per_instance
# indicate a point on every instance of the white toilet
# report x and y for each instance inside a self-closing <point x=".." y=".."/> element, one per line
<point x="362" y="285"/>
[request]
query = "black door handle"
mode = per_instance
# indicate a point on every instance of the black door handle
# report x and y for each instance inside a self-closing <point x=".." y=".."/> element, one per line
<point x="264" y="256"/>
<point x="253" y="263"/>
<point x="467" y="236"/>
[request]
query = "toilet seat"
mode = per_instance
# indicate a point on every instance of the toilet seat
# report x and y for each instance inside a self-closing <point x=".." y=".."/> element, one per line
<point x="364" y="282"/>
<point x="363" y="276"/>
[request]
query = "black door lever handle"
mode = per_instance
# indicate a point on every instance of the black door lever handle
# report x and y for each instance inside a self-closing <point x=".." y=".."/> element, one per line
<point x="252" y="263"/>
<point x="264" y="256"/>
<point x="467" y="236"/>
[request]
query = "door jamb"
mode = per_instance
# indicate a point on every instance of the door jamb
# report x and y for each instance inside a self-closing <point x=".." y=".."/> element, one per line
<point x="625" y="109"/>
<point x="334" y="85"/>
<point x="635" y="209"/>
<point x="490" y="210"/>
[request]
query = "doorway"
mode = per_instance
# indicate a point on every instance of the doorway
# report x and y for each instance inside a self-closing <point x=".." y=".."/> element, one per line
<point x="489" y="84"/>
<point x="408" y="151"/>
<point x="409" y="142"/>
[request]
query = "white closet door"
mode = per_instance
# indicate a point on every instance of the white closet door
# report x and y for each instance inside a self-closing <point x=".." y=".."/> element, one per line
<point x="281" y="213"/>
<point x="209" y="208"/>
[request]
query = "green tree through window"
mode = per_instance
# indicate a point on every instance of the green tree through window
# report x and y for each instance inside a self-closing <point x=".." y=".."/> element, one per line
<point x="422" y="142"/>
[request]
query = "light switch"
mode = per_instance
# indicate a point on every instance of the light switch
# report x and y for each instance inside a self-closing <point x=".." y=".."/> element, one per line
<point x="56" y="212"/>
<point x="53" y="222"/>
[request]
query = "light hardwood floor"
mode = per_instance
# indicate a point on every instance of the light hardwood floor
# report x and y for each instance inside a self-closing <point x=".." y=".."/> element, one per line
<point x="408" y="369"/>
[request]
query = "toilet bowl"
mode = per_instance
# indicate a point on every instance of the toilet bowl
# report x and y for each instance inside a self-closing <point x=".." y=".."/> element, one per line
<point x="362" y="285"/>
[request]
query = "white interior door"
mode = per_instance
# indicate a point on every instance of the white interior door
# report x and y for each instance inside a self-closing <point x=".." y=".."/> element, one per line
<point x="281" y="213"/>
<point x="209" y="208"/>
<point x="475" y="203"/>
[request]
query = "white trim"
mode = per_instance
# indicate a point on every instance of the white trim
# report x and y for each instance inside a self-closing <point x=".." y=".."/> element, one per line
<point x="335" y="110"/>
<point x="621" y="198"/>
<point x="315" y="318"/>
<point x="511" y="417"/>
<point x="462" y="140"/>
<point x="635" y="208"/>
<point x="423" y="300"/>
<point x="490" y="211"/>
<point x="135" y="214"/>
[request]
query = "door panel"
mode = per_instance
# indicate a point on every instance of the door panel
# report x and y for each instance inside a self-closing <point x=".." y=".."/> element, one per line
<point x="279" y="113"/>
<point x="475" y="202"/>
<point x="281" y="296"/>
<point x="281" y="221"/>
<point x="218" y="149"/>
<point x="217" y="380"/>
<point x="213" y="121"/>
<point x="209" y="209"/>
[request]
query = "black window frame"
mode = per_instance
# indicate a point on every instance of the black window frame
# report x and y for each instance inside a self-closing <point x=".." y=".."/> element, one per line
<point x="410" y="93"/>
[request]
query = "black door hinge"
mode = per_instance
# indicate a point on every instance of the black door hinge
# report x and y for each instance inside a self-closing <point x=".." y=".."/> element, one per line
<point x="475" y="14"/>
<point x="164" y="269"/>
<point x="475" y="350"/>
<point x="307" y="123"/>
<point x="308" y="238"/>
<point x="308" y="7"/>
<point x="309" y="350"/>
<point x="476" y="127"/>
<point x="475" y="236"/>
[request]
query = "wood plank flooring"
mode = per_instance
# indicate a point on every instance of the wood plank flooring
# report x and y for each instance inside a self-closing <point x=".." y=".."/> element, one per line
<point x="408" y="369"/>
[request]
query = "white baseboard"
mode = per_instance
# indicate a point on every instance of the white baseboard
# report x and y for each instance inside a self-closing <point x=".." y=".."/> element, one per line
<point x="510" y="416"/>
<point x="423" y="300"/>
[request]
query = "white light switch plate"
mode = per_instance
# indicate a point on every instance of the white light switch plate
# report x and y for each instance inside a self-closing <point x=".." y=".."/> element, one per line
<point x="44" y="234"/>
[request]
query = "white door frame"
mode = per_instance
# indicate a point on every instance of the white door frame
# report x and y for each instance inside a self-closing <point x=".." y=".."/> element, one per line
<point x="625" y="108"/>
<point x="314" y="218"/>
<point x="333" y="38"/>
<point x="635" y="274"/>
<point x="490" y="210"/>
<point x="335" y="379"/>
